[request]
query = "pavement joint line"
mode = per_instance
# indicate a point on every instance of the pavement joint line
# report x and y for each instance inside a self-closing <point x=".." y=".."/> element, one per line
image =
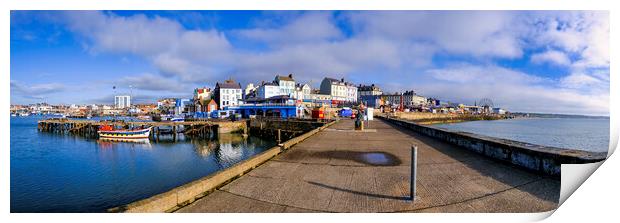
<point x="269" y="202"/>
<point x="343" y="165"/>
<point x="351" y="165"/>
<point x="470" y="199"/>
<point x="265" y="177"/>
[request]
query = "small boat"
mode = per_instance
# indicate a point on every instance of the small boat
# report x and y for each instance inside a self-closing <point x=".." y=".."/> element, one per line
<point x="13" y="115"/>
<point x="108" y="132"/>
<point x="172" y="118"/>
<point x="177" y="119"/>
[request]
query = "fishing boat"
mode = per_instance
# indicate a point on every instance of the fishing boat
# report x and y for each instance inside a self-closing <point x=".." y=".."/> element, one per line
<point x="108" y="132"/>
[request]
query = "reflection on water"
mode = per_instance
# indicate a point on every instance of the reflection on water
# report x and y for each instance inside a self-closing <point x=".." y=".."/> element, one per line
<point x="64" y="173"/>
<point x="110" y="143"/>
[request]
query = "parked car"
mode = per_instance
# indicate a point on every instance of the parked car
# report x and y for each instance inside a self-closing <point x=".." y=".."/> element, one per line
<point x="345" y="112"/>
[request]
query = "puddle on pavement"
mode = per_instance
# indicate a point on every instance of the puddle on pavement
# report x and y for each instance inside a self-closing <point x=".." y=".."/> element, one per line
<point x="375" y="158"/>
<point x="370" y="158"/>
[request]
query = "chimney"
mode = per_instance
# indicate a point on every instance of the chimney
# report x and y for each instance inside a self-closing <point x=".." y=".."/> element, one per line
<point x="342" y="80"/>
<point x="290" y="75"/>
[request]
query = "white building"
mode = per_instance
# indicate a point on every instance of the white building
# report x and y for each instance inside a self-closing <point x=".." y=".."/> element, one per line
<point x="339" y="90"/>
<point x="122" y="101"/>
<point x="411" y="99"/>
<point x="228" y="94"/>
<point x="364" y="90"/>
<point x="250" y="91"/>
<point x="286" y="84"/>
<point x="351" y="93"/>
<point x="267" y="90"/>
<point x="302" y="91"/>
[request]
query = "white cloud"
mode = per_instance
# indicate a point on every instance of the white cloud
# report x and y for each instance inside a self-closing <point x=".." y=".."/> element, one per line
<point x="173" y="49"/>
<point x="585" y="33"/>
<point x="518" y="91"/>
<point x="35" y="89"/>
<point x="488" y="75"/>
<point x="581" y="80"/>
<point x="135" y="34"/>
<point x="550" y="56"/>
<point x="478" y="33"/>
<point x="308" y="27"/>
<point x="152" y="82"/>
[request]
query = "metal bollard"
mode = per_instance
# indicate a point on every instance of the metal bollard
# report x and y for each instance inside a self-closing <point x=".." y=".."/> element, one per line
<point x="414" y="172"/>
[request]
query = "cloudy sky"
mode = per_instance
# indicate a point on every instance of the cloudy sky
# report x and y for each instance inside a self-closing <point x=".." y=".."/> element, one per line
<point x="531" y="61"/>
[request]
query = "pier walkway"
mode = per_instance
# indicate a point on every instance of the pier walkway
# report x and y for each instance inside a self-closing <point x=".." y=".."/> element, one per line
<point x="341" y="170"/>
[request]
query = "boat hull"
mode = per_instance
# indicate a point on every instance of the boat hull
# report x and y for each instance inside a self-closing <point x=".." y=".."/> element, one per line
<point x="125" y="134"/>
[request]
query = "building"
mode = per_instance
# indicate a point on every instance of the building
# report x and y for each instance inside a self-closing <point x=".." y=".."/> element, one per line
<point x="351" y="93"/>
<point x="205" y="105"/>
<point x="145" y="108"/>
<point x="228" y="94"/>
<point x="122" y="101"/>
<point x="319" y="99"/>
<point x="408" y="99"/>
<point x="411" y="99"/>
<point x="183" y="106"/>
<point x="250" y="91"/>
<point x="363" y="90"/>
<point x="112" y="112"/>
<point x="337" y="89"/>
<point x="286" y="84"/>
<point x="499" y="111"/>
<point x="392" y="100"/>
<point x="201" y="98"/>
<point x="302" y="92"/>
<point x="371" y="101"/>
<point x="166" y="105"/>
<point x="203" y="93"/>
<point x="268" y="90"/>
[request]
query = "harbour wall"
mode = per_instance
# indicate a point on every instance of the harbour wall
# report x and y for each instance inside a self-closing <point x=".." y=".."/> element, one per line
<point x="541" y="159"/>
<point x="188" y="193"/>
<point x="282" y="129"/>
<point x="232" y="127"/>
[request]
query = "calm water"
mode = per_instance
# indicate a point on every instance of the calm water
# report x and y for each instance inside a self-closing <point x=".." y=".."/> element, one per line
<point x="573" y="133"/>
<point x="55" y="173"/>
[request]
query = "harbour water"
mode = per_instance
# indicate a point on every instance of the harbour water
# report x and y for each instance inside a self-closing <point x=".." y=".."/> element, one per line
<point x="589" y="134"/>
<point x="64" y="173"/>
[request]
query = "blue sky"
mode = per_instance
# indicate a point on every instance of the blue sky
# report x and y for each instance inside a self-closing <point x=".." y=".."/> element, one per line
<point x="533" y="61"/>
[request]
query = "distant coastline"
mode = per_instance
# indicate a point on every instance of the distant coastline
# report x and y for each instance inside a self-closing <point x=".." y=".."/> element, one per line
<point x="547" y="115"/>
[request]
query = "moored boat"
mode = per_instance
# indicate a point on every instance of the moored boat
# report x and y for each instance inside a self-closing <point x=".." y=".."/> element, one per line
<point x="107" y="132"/>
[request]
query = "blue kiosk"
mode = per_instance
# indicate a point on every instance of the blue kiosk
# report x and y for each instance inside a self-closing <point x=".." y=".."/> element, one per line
<point x="277" y="106"/>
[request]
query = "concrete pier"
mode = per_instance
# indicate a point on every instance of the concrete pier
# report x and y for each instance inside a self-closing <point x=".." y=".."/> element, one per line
<point x="342" y="170"/>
